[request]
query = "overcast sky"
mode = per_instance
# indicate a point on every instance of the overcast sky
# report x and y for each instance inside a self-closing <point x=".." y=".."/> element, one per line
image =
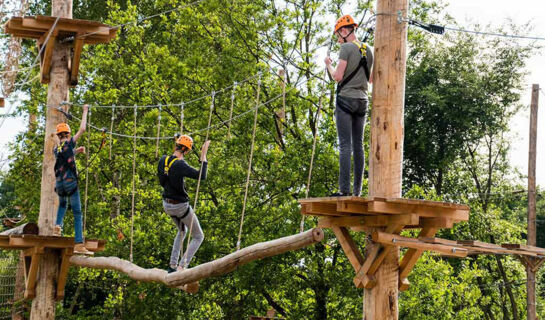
<point x="494" y="12"/>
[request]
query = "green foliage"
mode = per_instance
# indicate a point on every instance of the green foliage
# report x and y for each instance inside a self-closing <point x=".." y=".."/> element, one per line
<point x="460" y="95"/>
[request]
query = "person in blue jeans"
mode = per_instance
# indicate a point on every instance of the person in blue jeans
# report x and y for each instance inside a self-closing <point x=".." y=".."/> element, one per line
<point x="66" y="179"/>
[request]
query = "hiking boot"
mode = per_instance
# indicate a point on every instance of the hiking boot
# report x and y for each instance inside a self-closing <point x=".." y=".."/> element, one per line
<point x="171" y="270"/>
<point x="57" y="231"/>
<point x="79" y="248"/>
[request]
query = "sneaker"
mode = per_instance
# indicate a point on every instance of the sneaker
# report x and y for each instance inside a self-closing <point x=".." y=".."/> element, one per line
<point x="171" y="270"/>
<point x="181" y="268"/>
<point x="57" y="231"/>
<point x="339" y="194"/>
<point x="79" y="248"/>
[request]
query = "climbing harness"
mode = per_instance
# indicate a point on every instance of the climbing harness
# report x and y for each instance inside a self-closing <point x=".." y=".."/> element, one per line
<point x="363" y="64"/>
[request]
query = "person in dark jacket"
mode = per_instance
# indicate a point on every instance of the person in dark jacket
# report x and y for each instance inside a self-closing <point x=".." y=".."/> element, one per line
<point x="172" y="170"/>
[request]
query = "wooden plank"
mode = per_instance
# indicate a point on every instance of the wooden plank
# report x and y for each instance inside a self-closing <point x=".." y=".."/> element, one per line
<point x="333" y="199"/>
<point x="411" y="257"/>
<point x="428" y="203"/>
<point x="380" y="207"/>
<point x="524" y="247"/>
<point x="396" y="240"/>
<point x="27" y="241"/>
<point x="385" y="221"/>
<point x="323" y="209"/>
<point x="64" y="25"/>
<point x="349" y="247"/>
<point x="484" y="249"/>
<point x="438" y="241"/>
<point x="45" y="66"/>
<point x="63" y="272"/>
<point x="359" y="223"/>
<point x="2" y="103"/>
<point x="36" y="254"/>
<point x="351" y="207"/>
<point x="439" y="223"/>
<point x="329" y="222"/>
<point x="361" y="278"/>
<point x="74" y="68"/>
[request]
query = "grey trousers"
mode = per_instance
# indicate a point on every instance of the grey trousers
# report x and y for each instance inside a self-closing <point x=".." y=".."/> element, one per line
<point x="176" y="211"/>
<point x="351" y="116"/>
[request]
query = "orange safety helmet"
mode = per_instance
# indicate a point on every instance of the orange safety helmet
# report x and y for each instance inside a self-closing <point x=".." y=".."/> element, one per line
<point x="63" y="128"/>
<point x="345" y="21"/>
<point x="185" y="141"/>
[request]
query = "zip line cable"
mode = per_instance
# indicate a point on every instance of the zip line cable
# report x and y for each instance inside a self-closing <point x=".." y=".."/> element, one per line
<point x="249" y="165"/>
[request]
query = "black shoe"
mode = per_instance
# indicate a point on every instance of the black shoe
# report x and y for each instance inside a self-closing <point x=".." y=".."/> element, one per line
<point x="339" y="194"/>
<point x="171" y="270"/>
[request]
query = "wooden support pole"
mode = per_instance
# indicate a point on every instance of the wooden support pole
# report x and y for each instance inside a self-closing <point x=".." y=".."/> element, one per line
<point x="74" y="68"/>
<point x="63" y="272"/>
<point x="411" y="257"/>
<point x="43" y="306"/>
<point x="349" y="247"/>
<point x="530" y="273"/>
<point x="386" y="150"/>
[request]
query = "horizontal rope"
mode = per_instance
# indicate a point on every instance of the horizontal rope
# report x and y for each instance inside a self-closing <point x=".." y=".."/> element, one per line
<point x="194" y="132"/>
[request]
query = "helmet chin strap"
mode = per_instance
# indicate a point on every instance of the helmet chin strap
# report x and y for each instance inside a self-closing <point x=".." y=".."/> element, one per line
<point x="348" y="35"/>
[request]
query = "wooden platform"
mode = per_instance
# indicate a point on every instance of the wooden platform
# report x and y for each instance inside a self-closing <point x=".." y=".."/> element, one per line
<point x="33" y="247"/>
<point x="384" y="219"/>
<point x="359" y="213"/>
<point x="80" y="31"/>
<point x="392" y="216"/>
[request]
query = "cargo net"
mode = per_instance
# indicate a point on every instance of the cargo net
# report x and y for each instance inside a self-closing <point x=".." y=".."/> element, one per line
<point x="12" y="286"/>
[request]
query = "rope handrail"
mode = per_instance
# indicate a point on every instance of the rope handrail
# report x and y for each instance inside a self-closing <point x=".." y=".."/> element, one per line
<point x="211" y="127"/>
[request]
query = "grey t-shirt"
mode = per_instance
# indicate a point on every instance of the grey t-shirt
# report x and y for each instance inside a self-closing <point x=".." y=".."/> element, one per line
<point x="357" y="87"/>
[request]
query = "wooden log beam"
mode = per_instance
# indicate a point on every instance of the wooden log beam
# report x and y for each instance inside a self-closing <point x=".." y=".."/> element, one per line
<point x="27" y="228"/>
<point x="210" y="269"/>
<point x="396" y="240"/>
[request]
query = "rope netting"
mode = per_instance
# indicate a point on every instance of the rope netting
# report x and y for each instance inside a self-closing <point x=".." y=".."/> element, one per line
<point x="12" y="286"/>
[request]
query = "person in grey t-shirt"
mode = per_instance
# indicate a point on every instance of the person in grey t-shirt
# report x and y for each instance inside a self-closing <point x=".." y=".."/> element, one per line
<point x="352" y="75"/>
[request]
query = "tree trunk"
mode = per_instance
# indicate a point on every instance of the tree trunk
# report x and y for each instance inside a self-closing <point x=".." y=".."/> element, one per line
<point x="43" y="306"/>
<point x="386" y="145"/>
<point x="206" y="270"/>
<point x="27" y="228"/>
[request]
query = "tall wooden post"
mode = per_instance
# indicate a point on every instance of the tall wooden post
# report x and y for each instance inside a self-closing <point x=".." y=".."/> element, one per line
<point x="43" y="306"/>
<point x="386" y="154"/>
<point x="530" y="274"/>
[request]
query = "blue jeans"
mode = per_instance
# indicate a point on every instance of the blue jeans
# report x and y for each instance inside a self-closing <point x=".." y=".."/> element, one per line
<point x="76" y="210"/>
